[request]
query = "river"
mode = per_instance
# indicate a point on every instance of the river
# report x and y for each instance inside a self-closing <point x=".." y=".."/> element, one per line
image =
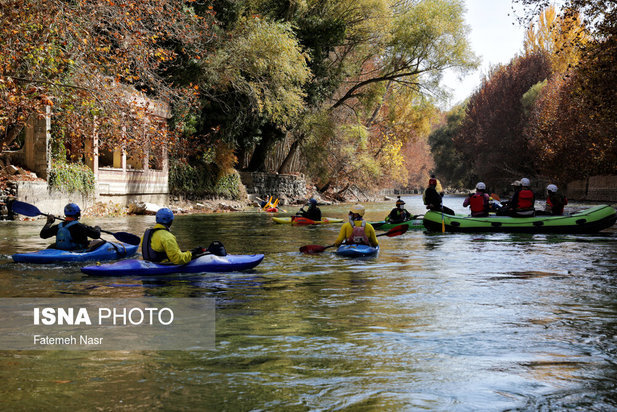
<point x="448" y="322"/>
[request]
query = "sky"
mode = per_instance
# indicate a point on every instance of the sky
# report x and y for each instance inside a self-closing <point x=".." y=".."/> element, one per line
<point x="495" y="36"/>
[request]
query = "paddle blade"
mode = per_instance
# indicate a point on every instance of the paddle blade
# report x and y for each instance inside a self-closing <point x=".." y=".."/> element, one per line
<point x="397" y="230"/>
<point x="126" y="237"/>
<point x="310" y="249"/>
<point x="25" y="209"/>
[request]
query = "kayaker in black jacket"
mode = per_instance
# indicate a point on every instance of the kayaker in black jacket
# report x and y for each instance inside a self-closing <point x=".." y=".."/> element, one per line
<point x="70" y="234"/>
<point x="399" y="214"/>
<point x="432" y="198"/>
<point x="313" y="212"/>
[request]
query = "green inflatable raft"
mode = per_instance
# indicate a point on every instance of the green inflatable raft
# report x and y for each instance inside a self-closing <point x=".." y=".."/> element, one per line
<point x="589" y="220"/>
<point x="411" y="224"/>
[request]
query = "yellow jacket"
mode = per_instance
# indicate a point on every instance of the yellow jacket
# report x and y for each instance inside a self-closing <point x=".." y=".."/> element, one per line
<point x="165" y="241"/>
<point x="346" y="231"/>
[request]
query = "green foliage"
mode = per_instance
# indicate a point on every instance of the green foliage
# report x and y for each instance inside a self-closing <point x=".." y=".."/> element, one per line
<point x="203" y="180"/>
<point x="451" y="165"/>
<point x="529" y="98"/>
<point x="71" y="177"/>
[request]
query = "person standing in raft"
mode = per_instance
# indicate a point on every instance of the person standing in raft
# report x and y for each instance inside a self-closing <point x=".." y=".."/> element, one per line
<point x="555" y="201"/>
<point x="357" y="231"/>
<point x="313" y="212"/>
<point x="432" y="199"/>
<point x="522" y="203"/>
<point x="478" y="202"/>
<point x="70" y="234"/>
<point x="160" y="245"/>
<point x="399" y="214"/>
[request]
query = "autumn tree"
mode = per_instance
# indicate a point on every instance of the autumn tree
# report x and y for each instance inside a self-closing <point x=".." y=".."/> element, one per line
<point x="575" y="116"/>
<point x="491" y="134"/>
<point x="80" y="57"/>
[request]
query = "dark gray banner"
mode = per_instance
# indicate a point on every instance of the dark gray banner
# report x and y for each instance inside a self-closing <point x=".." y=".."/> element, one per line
<point x="87" y="323"/>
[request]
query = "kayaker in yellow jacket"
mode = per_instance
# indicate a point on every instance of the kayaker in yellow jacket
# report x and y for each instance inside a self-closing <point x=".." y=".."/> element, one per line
<point x="159" y="245"/>
<point x="357" y="230"/>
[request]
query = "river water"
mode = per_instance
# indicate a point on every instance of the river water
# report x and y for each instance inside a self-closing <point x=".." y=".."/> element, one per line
<point x="449" y="322"/>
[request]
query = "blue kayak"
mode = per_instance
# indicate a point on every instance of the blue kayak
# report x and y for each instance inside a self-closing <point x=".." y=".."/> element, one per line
<point x="357" y="250"/>
<point x="105" y="251"/>
<point x="206" y="263"/>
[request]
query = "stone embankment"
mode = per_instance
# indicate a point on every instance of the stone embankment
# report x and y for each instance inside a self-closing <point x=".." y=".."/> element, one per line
<point x="594" y="189"/>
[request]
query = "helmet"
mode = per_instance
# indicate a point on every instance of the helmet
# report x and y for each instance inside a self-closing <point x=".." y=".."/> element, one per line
<point x="481" y="186"/>
<point x="72" y="210"/>
<point x="432" y="181"/>
<point x="358" y="209"/>
<point x="525" y="182"/>
<point x="164" y="216"/>
<point x="551" y="188"/>
<point x="400" y="201"/>
<point x="312" y="201"/>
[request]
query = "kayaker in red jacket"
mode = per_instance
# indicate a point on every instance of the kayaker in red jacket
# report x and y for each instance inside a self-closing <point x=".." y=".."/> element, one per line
<point x="478" y="202"/>
<point x="523" y="201"/>
<point x="555" y="201"/>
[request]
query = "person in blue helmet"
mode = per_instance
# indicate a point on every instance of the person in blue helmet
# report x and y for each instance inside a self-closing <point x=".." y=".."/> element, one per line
<point x="70" y="234"/>
<point x="160" y="245"/>
<point x="313" y="212"/>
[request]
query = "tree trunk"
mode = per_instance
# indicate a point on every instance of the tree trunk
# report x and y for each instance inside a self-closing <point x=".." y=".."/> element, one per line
<point x="286" y="164"/>
<point x="270" y="134"/>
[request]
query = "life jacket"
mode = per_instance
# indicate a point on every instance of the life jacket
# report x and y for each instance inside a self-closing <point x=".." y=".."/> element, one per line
<point x="64" y="240"/>
<point x="146" y="247"/>
<point x="555" y="203"/>
<point x="525" y="199"/>
<point x="358" y="235"/>
<point x="478" y="203"/>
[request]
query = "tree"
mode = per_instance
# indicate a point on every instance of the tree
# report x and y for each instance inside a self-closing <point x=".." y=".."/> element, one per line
<point x="562" y="38"/>
<point x="80" y="56"/>
<point x="575" y="115"/>
<point x="253" y="86"/>
<point x="410" y="47"/>
<point x="491" y="135"/>
<point x="451" y="165"/>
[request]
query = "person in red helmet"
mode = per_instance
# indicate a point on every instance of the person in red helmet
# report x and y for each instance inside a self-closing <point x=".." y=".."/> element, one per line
<point x="432" y="198"/>
<point x="70" y="234"/>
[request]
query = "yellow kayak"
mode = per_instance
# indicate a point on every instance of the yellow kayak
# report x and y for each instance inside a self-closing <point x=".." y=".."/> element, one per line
<point x="298" y="220"/>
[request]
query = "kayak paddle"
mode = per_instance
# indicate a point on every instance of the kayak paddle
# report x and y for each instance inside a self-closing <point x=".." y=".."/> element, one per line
<point x="395" y="231"/>
<point x="27" y="209"/>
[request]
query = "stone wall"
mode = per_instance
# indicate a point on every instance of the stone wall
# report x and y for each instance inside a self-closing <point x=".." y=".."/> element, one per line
<point x="595" y="189"/>
<point x="283" y="186"/>
<point x="50" y="201"/>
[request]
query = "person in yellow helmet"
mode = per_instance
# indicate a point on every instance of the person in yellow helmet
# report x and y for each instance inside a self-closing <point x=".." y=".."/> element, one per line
<point x="357" y="230"/>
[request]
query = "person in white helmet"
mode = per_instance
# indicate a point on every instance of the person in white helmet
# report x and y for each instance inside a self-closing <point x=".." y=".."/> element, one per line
<point x="357" y="230"/>
<point x="478" y="202"/>
<point x="555" y="201"/>
<point x="523" y="201"/>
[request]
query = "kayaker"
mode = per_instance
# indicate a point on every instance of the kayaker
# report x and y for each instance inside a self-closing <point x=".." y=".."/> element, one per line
<point x="438" y="186"/>
<point x="70" y="234"/>
<point x="313" y="212"/>
<point x="160" y="245"/>
<point x="478" y="202"/>
<point x="399" y="214"/>
<point x="432" y="199"/>
<point x="555" y="201"/>
<point x="522" y="203"/>
<point x="357" y="231"/>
